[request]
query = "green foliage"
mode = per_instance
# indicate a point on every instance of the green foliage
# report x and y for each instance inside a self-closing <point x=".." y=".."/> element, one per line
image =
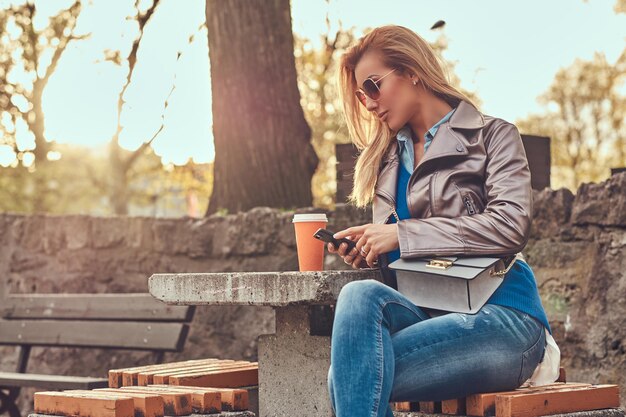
<point x="586" y="126"/>
<point x="79" y="181"/>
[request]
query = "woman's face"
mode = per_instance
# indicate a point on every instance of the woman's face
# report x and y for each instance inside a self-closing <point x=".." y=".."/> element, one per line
<point x="397" y="92"/>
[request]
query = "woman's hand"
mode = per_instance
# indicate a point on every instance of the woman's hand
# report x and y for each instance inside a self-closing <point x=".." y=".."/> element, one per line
<point x="353" y="258"/>
<point x="372" y="241"/>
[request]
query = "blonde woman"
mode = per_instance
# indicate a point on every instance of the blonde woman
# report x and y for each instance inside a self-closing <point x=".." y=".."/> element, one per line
<point x="443" y="179"/>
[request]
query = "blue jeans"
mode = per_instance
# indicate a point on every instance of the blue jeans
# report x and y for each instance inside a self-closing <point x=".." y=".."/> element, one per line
<point x="386" y="349"/>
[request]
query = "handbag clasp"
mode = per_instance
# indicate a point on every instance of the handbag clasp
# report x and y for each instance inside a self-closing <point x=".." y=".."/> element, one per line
<point x="439" y="264"/>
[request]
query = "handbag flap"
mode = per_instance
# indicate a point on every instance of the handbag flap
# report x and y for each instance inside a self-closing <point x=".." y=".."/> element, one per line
<point x="464" y="268"/>
<point x="477" y="261"/>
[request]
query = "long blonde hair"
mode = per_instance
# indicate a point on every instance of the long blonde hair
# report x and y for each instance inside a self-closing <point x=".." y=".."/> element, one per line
<point x="400" y="48"/>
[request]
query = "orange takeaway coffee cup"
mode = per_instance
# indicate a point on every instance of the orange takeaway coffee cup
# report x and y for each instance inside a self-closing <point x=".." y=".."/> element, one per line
<point x="310" y="250"/>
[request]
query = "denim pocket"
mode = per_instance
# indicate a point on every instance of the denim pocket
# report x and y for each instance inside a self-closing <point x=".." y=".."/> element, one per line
<point x="531" y="358"/>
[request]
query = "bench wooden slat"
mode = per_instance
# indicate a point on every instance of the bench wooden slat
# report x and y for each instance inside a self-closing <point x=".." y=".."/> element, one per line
<point x="14" y="379"/>
<point x="223" y="378"/>
<point x="123" y="306"/>
<point x="105" y="334"/>
<point x="202" y="402"/>
<point x="484" y="404"/>
<point x="232" y="399"/>
<point x="175" y="403"/>
<point x="430" y="407"/>
<point x="116" y="375"/>
<point x="164" y="377"/>
<point x="535" y="404"/>
<point x="454" y="406"/>
<point x="146" y="405"/>
<point x="132" y="378"/>
<point x="59" y="403"/>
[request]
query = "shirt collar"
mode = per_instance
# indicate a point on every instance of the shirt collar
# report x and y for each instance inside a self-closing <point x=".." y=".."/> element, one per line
<point x="404" y="134"/>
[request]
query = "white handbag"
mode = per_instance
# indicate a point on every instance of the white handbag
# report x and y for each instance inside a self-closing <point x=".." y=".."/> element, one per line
<point x="454" y="283"/>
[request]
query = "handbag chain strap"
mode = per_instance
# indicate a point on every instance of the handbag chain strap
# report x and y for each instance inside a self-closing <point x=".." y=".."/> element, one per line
<point x="505" y="270"/>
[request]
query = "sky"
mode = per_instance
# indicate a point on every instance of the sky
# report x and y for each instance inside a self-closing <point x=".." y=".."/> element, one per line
<point x="508" y="52"/>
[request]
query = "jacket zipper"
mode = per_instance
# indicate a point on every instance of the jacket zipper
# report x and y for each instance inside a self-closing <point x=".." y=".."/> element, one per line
<point x="391" y="204"/>
<point x="395" y="214"/>
<point x="469" y="204"/>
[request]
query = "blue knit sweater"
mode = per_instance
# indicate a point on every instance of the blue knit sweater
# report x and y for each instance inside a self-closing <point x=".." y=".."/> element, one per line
<point x="519" y="288"/>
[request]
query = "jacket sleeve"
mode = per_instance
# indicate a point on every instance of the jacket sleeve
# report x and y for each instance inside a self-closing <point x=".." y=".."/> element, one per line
<point x="503" y="228"/>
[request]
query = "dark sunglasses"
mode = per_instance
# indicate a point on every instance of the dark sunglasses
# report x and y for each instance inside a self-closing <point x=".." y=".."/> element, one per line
<point x="370" y="89"/>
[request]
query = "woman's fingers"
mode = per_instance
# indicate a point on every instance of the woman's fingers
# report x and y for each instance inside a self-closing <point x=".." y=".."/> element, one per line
<point x="357" y="262"/>
<point x="343" y="249"/>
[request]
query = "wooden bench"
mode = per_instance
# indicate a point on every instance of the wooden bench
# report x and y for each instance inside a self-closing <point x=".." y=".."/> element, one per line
<point x="104" y="321"/>
<point x="213" y="387"/>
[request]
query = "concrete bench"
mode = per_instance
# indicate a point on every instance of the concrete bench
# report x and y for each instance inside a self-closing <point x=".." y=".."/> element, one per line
<point x="294" y="361"/>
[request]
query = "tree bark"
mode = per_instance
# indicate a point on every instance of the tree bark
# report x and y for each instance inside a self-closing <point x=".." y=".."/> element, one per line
<point x="263" y="150"/>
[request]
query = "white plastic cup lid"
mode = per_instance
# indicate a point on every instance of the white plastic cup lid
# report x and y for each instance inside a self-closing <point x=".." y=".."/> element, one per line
<point x="310" y="217"/>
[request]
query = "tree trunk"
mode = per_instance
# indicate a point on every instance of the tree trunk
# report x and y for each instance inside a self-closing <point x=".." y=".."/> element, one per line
<point x="263" y="150"/>
<point x="41" y="192"/>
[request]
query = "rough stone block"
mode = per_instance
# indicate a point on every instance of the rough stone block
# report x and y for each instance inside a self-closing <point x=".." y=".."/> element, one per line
<point x="551" y="211"/>
<point x="601" y="203"/>
<point x="77" y="231"/>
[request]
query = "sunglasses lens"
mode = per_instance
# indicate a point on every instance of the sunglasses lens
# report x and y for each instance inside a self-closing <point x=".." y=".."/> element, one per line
<point x="371" y="89"/>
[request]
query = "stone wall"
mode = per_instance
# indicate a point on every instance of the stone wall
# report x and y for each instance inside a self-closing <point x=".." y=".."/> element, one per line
<point x="576" y="250"/>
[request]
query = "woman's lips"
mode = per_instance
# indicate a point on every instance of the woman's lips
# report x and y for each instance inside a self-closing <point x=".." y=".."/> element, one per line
<point x="384" y="116"/>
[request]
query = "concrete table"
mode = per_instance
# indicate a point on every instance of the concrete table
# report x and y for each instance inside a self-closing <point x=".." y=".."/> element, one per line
<point x="293" y="362"/>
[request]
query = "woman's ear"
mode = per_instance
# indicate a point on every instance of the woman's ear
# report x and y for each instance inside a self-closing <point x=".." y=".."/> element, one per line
<point x="413" y="79"/>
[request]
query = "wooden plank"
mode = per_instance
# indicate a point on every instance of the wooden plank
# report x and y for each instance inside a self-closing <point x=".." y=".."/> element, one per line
<point x="454" y="406"/>
<point x="232" y="399"/>
<point x="146" y="405"/>
<point x="484" y="404"/>
<point x="16" y="379"/>
<point x="163" y="377"/>
<point x="204" y="402"/>
<point x="224" y="378"/>
<point x="147" y="377"/>
<point x="62" y="404"/>
<point x="115" y="375"/>
<point x="401" y="406"/>
<point x="405" y="406"/>
<point x="534" y="404"/>
<point x="122" y="306"/>
<point x="105" y="334"/>
<point x="430" y="407"/>
<point x="174" y="403"/>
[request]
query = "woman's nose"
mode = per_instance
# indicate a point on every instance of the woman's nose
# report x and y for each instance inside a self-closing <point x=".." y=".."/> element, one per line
<point x="370" y="104"/>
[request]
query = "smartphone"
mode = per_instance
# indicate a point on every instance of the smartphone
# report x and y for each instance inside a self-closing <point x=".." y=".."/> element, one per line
<point x="327" y="236"/>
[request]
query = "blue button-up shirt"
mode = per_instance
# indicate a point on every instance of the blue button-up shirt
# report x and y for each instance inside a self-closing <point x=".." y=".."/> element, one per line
<point x="405" y="142"/>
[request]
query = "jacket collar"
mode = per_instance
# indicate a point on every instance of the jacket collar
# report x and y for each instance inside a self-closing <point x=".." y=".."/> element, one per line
<point x="464" y="117"/>
<point x="448" y="141"/>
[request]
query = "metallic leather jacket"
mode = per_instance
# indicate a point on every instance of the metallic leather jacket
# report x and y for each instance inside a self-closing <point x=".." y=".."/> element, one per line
<point x="470" y="194"/>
